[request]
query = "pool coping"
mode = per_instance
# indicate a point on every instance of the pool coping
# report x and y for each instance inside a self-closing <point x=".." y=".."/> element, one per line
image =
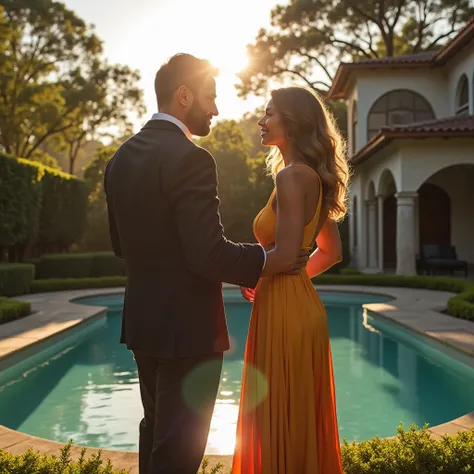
<point x="54" y="315"/>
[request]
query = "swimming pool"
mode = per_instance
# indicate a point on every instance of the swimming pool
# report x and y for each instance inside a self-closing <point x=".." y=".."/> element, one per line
<point x="384" y="375"/>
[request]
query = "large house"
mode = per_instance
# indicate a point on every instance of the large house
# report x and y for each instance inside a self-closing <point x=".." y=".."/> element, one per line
<point x="411" y="142"/>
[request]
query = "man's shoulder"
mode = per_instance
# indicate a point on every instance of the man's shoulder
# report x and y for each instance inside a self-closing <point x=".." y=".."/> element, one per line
<point x="164" y="143"/>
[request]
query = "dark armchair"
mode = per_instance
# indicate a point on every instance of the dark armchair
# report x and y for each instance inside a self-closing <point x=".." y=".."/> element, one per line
<point x="439" y="257"/>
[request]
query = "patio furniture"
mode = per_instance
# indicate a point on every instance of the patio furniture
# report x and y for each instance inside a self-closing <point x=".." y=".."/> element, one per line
<point x="440" y="257"/>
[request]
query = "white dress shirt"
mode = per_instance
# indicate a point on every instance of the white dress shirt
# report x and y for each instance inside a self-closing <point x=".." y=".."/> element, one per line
<point x="172" y="119"/>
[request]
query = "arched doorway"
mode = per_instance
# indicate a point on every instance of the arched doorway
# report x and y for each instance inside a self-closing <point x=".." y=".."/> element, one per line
<point x="371" y="241"/>
<point x="446" y="210"/>
<point x="390" y="231"/>
<point x="388" y="189"/>
<point x="434" y="215"/>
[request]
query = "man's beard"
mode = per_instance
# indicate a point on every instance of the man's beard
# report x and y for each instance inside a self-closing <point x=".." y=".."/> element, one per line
<point x="198" y="120"/>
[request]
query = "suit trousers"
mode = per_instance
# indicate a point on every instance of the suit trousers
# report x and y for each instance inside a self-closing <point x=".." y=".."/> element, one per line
<point x="178" y="397"/>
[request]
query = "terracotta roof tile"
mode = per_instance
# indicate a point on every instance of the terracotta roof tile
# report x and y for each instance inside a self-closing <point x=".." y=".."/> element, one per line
<point x="458" y="123"/>
<point x="425" y="57"/>
<point x="423" y="60"/>
<point x="449" y="127"/>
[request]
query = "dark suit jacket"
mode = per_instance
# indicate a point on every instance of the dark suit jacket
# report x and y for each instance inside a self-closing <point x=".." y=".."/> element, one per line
<point x="164" y="221"/>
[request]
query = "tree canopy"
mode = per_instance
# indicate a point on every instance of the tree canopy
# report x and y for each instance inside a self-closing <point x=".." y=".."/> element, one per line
<point x="54" y="81"/>
<point x="308" y="38"/>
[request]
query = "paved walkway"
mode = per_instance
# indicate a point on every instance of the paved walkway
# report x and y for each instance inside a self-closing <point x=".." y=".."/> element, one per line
<point x="54" y="316"/>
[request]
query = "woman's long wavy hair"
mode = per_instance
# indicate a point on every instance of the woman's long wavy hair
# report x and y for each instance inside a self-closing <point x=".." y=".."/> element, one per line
<point x="313" y="133"/>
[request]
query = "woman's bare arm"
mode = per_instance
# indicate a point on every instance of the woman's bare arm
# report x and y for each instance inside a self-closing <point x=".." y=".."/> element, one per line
<point x="329" y="251"/>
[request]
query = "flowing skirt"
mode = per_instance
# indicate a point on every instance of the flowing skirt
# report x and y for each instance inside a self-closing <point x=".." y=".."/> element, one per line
<point x="287" y="421"/>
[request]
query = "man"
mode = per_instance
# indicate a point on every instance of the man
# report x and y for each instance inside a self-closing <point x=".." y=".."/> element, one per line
<point x="164" y="221"/>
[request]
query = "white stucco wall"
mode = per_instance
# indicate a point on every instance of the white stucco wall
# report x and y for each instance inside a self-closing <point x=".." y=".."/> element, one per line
<point x="412" y="163"/>
<point x="433" y="161"/>
<point x="423" y="158"/>
<point x="461" y="64"/>
<point x="366" y="173"/>
<point x="458" y="183"/>
<point x="371" y="85"/>
<point x="358" y="253"/>
<point x="388" y="159"/>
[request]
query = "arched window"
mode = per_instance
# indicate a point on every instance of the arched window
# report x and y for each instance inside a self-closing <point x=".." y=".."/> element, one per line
<point x="462" y="96"/>
<point x="354" y="127"/>
<point x="398" y="107"/>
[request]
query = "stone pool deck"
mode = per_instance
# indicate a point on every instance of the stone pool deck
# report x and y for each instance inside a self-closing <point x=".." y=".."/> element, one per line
<point x="54" y="316"/>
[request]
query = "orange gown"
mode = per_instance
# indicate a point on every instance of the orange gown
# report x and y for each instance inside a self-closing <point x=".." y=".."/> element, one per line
<point x="287" y="421"/>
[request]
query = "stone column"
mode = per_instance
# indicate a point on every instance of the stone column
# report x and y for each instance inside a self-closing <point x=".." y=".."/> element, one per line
<point x="372" y="231"/>
<point x="380" y="200"/>
<point x="351" y="228"/>
<point x="406" y="233"/>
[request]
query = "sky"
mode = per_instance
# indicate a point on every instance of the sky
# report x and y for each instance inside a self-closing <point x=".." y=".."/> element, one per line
<point x="145" y="33"/>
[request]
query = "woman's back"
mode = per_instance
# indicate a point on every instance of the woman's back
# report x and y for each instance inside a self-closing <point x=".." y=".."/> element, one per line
<point x="287" y="422"/>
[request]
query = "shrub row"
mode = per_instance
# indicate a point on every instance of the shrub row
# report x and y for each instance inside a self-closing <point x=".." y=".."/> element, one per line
<point x="16" y="278"/>
<point x="39" y="204"/>
<point x="11" y="309"/>
<point x="411" y="452"/>
<point x="100" y="270"/>
<point x="64" y="284"/>
<point x="459" y="306"/>
<point x="79" y="265"/>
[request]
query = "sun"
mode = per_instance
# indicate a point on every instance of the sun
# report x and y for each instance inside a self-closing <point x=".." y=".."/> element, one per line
<point x="229" y="62"/>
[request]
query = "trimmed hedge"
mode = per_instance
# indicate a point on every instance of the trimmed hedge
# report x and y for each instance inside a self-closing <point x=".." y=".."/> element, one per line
<point x="63" y="284"/>
<point x="411" y="452"/>
<point x="459" y="306"/>
<point x="64" y="265"/>
<point x="80" y="265"/>
<point x="462" y="305"/>
<point x="16" y="278"/>
<point x="453" y="285"/>
<point x="39" y="204"/>
<point x="11" y="310"/>
<point x="20" y="200"/>
<point x="107" y="264"/>
<point x="64" y="208"/>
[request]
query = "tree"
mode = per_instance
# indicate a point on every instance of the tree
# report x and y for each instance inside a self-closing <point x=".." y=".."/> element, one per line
<point x="96" y="236"/>
<point x="243" y="185"/>
<point x="109" y="98"/>
<point x="45" y="159"/>
<point x="53" y="80"/>
<point x="251" y="130"/>
<point x="308" y="38"/>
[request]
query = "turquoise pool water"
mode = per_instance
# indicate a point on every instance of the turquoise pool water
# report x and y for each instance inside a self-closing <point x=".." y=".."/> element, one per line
<point x="384" y="376"/>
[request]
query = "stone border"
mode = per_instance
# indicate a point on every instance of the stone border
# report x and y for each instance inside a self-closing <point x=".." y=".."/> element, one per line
<point x="54" y="314"/>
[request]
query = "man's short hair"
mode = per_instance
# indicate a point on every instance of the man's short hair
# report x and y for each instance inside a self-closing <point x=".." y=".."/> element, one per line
<point x="181" y="69"/>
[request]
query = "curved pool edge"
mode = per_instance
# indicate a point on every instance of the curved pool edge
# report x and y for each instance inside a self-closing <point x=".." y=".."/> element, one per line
<point x="56" y="314"/>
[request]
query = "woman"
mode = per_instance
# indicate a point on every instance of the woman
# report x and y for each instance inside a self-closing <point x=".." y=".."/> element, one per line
<point x="287" y="421"/>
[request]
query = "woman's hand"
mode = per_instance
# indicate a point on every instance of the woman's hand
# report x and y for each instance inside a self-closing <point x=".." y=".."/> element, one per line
<point x="248" y="293"/>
